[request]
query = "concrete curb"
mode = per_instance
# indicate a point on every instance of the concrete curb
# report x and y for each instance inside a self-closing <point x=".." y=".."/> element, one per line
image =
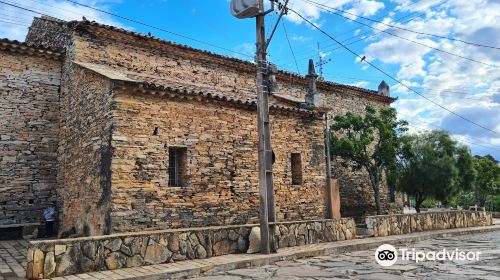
<point x="213" y="265"/>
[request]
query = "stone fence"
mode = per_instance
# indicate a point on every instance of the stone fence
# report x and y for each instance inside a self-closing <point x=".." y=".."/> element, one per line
<point x="385" y="225"/>
<point x="62" y="257"/>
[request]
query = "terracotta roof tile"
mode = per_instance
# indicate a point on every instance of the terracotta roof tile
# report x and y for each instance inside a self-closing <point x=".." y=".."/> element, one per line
<point x="23" y="48"/>
<point x="367" y="93"/>
<point x="187" y="90"/>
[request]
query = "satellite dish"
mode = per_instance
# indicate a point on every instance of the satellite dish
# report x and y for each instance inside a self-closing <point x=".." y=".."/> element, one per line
<point x="245" y="8"/>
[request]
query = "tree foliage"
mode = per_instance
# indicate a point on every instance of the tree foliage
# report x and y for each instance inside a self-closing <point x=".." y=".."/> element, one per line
<point x="488" y="178"/>
<point x="368" y="142"/>
<point x="434" y="166"/>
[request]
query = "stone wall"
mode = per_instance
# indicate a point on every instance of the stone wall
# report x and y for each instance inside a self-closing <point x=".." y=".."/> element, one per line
<point x="70" y="256"/>
<point x="178" y="65"/>
<point x="29" y="116"/>
<point x="85" y="153"/>
<point x="49" y="32"/>
<point x="221" y="171"/>
<point x="115" y="181"/>
<point x="385" y="225"/>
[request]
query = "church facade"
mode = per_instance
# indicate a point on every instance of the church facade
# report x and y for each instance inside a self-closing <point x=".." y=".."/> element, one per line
<point x="126" y="132"/>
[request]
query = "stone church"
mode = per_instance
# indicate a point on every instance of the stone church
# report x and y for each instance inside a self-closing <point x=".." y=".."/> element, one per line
<point x="127" y="132"/>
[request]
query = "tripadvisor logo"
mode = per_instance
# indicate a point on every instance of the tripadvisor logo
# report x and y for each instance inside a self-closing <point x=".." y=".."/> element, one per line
<point x="387" y="255"/>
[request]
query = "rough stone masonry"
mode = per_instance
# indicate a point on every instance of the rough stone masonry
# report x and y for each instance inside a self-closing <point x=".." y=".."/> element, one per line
<point x="128" y="133"/>
<point x="29" y="125"/>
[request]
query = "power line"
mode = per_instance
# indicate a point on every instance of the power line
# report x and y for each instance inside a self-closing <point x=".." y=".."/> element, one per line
<point x="15" y="23"/>
<point x="23" y="8"/>
<point x="373" y="35"/>
<point x="290" y="45"/>
<point x="390" y="76"/>
<point x="475" y="144"/>
<point x="404" y="38"/>
<point x="404" y="29"/>
<point x="483" y="143"/>
<point x="17" y="17"/>
<point x="62" y="9"/>
<point x="158" y="28"/>
<point x="60" y="17"/>
<point x="348" y="32"/>
<point x="377" y="33"/>
<point x="138" y="22"/>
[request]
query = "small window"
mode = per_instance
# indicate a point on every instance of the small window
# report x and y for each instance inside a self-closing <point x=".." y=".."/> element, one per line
<point x="296" y="169"/>
<point x="176" y="166"/>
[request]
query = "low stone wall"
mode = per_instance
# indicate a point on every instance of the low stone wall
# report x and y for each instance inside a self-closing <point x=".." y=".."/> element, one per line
<point x="385" y="225"/>
<point x="62" y="257"/>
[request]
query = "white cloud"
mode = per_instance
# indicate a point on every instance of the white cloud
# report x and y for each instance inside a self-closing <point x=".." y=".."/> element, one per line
<point x="364" y="8"/>
<point x="313" y="12"/>
<point x="324" y="54"/>
<point x="245" y="48"/>
<point x="301" y="38"/>
<point x="470" y="89"/>
<point x="360" y="84"/>
<point x="19" y="19"/>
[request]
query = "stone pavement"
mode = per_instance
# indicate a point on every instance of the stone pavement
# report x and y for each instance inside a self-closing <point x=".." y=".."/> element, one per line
<point x="362" y="264"/>
<point x="13" y="254"/>
<point x="13" y="259"/>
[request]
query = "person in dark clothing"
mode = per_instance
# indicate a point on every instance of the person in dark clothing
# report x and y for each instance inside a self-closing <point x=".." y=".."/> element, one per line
<point x="49" y="214"/>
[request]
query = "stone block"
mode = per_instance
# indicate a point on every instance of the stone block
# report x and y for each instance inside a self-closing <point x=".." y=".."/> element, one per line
<point x="254" y="241"/>
<point x="49" y="266"/>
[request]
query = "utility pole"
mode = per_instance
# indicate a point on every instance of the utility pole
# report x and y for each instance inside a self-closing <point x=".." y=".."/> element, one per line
<point x="263" y="126"/>
<point x="266" y="188"/>
<point x="267" y="212"/>
<point x="330" y="213"/>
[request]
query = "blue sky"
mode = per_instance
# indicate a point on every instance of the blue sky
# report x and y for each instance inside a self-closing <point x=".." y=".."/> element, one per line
<point x="469" y="88"/>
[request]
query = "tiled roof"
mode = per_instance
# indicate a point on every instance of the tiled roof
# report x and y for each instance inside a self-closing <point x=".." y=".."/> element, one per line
<point x="23" y="48"/>
<point x="165" y="87"/>
<point x="235" y="62"/>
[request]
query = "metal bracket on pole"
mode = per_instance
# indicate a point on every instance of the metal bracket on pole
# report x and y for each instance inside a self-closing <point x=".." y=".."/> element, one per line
<point x="270" y="10"/>
<point x="282" y="12"/>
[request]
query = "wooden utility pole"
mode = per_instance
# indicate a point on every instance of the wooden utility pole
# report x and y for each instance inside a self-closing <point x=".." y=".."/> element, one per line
<point x="266" y="190"/>
<point x="333" y="207"/>
<point x="328" y="168"/>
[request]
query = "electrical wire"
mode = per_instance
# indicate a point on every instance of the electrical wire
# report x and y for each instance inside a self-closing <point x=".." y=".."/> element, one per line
<point x="404" y="29"/>
<point x="159" y="28"/>
<point x="483" y="143"/>
<point x="413" y="16"/>
<point x="15" y="23"/>
<point x="390" y="76"/>
<point x="290" y="46"/>
<point x="137" y="22"/>
<point x="35" y="11"/>
<point x="409" y="40"/>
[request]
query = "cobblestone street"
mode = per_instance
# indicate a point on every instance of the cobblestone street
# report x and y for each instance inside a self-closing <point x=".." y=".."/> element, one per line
<point x="13" y="259"/>
<point x="354" y="265"/>
<point x="362" y="265"/>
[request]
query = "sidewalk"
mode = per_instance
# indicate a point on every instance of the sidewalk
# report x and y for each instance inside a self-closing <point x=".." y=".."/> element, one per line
<point x="213" y="265"/>
<point x="13" y="259"/>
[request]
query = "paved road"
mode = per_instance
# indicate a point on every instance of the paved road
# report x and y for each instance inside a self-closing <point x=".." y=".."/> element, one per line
<point x="362" y="264"/>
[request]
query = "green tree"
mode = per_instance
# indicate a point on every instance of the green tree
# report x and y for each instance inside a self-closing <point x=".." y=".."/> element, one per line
<point x="488" y="178"/>
<point x="435" y="167"/>
<point x="368" y="142"/>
